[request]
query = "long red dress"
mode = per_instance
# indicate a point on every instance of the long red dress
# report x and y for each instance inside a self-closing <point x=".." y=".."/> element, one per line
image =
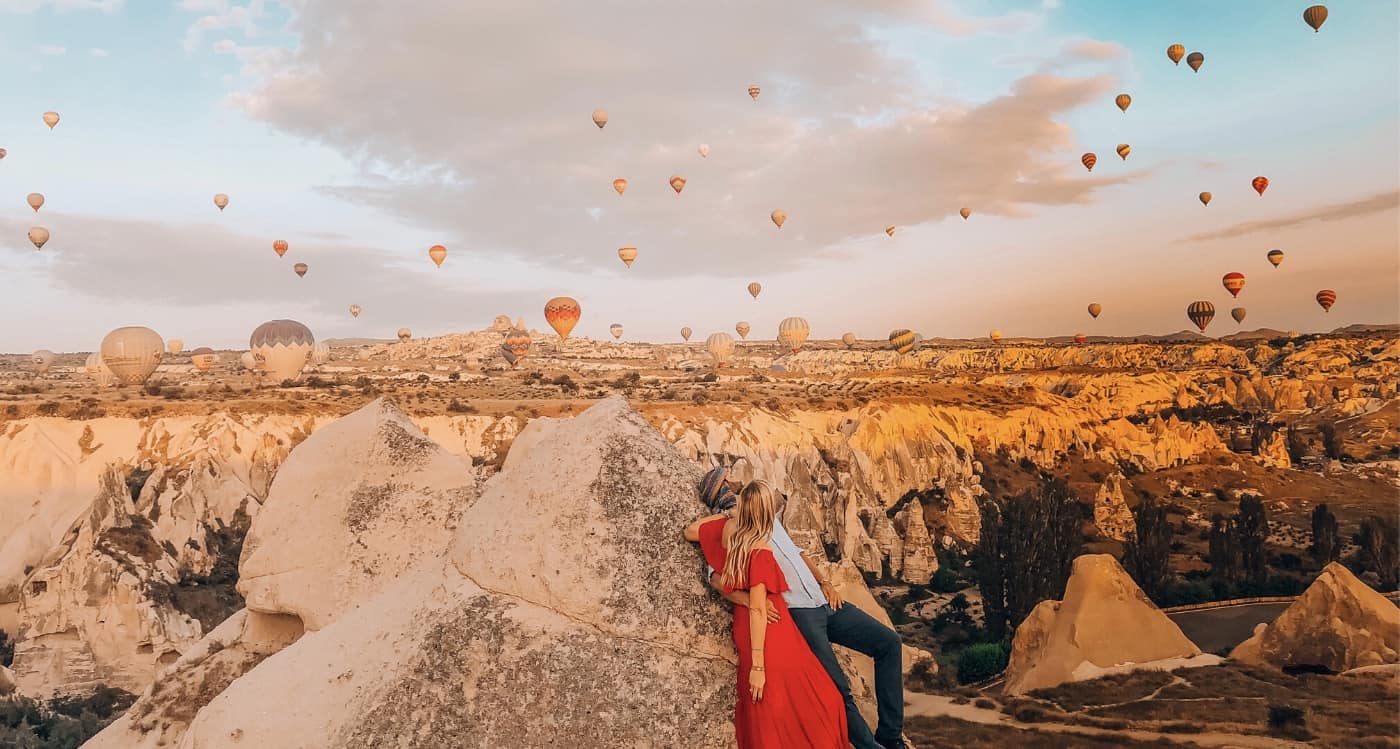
<point x="801" y="706"/>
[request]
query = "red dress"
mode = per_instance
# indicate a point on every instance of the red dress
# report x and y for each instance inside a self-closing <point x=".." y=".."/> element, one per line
<point x="801" y="706"/>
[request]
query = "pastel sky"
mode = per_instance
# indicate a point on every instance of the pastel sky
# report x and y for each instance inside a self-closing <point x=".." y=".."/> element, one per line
<point x="362" y="132"/>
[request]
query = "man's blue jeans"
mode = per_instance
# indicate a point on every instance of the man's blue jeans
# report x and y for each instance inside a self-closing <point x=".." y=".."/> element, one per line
<point x="852" y="628"/>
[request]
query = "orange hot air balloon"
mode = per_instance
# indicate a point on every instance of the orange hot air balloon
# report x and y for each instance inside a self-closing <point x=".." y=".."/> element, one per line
<point x="965" y="213"/>
<point x="889" y="230"/>
<point x="1089" y="160"/>
<point x="1175" y="53"/>
<point x="279" y="246"/>
<point x="221" y="200"/>
<point x="562" y="313"/>
<point x="1233" y="282"/>
<point x="1123" y="100"/>
<point x="438" y="253"/>
<point x="1326" y="298"/>
<point x="51" y="119"/>
<point x="620" y="185"/>
<point x="1123" y="150"/>
<point x="677" y="183"/>
<point x="1275" y="257"/>
<point x="39" y="236"/>
<point x="627" y="255"/>
<point x="1095" y="309"/>
<point x="600" y="118"/>
<point x="1205" y="198"/>
<point x="754" y="289"/>
<point x="754" y="91"/>
<point x="1080" y="339"/>
<point x="1315" y="16"/>
<point x="1195" y="60"/>
<point x="3" y="154"/>
<point x="1260" y="184"/>
<point x="779" y="217"/>
<point x="300" y="269"/>
<point x="35" y="200"/>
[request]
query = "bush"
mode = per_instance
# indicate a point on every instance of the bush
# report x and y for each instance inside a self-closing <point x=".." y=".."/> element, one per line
<point x="457" y="407"/>
<point x="7" y="650"/>
<point x="982" y="661"/>
<point x="946" y="581"/>
<point x="985" y="704"/>
<point x="565" y="383"/>
<point x="1288" y="721"/>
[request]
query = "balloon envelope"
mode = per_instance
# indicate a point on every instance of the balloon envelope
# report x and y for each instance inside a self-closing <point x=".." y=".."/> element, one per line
<point x="793" y="332"/>
<point x="42" y="360"/>
<point x="627" y="255"/>
<point x="320" y="353"/>
<point x="35" y="200"/>
<point x="754" y="91"/>
<point x="779" y="216"/>
<point x="1195" y="60"/>
<point x="1123" y="150"/>
<point x="562" y="313"/>
<point x="1238" y="313"/>
<point x="281" y="348"/>
<point x="889" y="230"/>
<point x="300" y="269"/>
<point x="1205" y="198"/>
<point x="1200" y="313"/>
<point x="39" y="236"/>
<point x="849" y="339"/>
<point x="704" y="150"/>
<point x="620" y="185"/>
<point x="685" y="333"/>
<point x="902" y="340"/>
<point x="1315" y="16"/>
<point x="1233" y="282"/>
<point x="132" y="353"/>
<point x="721" y="347"/>
<point x="1175" y="53"/>
<point x="754" y="289"/>
<point x="354" y="310"/>
<point x="1275" y="257"/>
<point x="677" y="183"/>
<point x="1260" y="184"/>
<point x="516" y="344"/>
<point x="616" y="330"/>
<point x="203" y="358"/>
<point x="97" y="370"/>
<point x="404" y="334"/>
<point x="1095" y="309"/>
<point x="742" y="328"/>
<point x="1123" y="100"/>
<point x="1326" y="298"/>
<point x="279" y="246"/>
<point x="438" y="253"/>
<point x="1089" y="160"/>
<point x="248" y="360"/>
<point x="221" y="200"/>
<point x="600" y="118"/>
<point x="995" y="336"/>
<point x="51" y="119"/>
<point x="965" y="212"/>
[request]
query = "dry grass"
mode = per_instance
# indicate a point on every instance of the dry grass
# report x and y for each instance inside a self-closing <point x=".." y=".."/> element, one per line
<point x="943" y="732"/>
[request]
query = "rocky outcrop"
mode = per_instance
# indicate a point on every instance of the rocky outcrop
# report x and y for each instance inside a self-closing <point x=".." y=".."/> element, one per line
<point x="1105" y="624"/>
<point x="1339" y="623"/>
<point x="1111" y="514"/>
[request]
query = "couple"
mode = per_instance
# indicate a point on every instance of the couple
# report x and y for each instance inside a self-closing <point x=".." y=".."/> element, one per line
<point x="786" y="617"/>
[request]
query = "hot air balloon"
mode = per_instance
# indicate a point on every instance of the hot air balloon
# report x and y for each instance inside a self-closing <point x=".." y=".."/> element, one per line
<point x="1175" y="53"/>
<point x="902" y="340"/>
<point x="1195" y="60"/>
<point x="704" y="150"/>
<point x="1315" y="16"/>
<point x="404" y="335"/>
<point x="35" y="200"/>
<point x="51" y="119"/>
<point x="1260" y="184"/>
<point x="1326" y="298"/>
<point x="281" y="348"/>
<point x="721" y="347"/>
<point x="616" y="330"/>
<point x="965" y="213"/>
<point x="3" y="154"/>
<point x="685" y="333"/>
<point x="510" y="356"/>
<point x="779" y="216"/>
<point x="1095" y="309"/>
<point x="754" y="289"/>
<point x="1233" y="282"/>
<point x="300" y="269"/>
<point x="174" y="346"/>
<point x="889" y="230"/>
<point x="792" y="332"/>
<point x="1089" y="160"/>
<point x="627" y="255"/>
<point x="1123" y="100"/>
<point x="221" y="200"/>
<point x="754" y="92"/>
<point x="742" y="328"/>
<point x="1123" y="150"/>
<point x="849" y="339"/>
<point x="995" y="336"/>
<point x="620" y="185"/>
<point x="203" y="358"/>
<point x="1201" y="313"/>
<point x="320" y="353"/>
<point x="97" y="370"/>
<point x="600" y="118"/>
<point x="42" y="360"/>
<point x="677" y="183"/>
<point x="438" y="253"/>
<point x="39" y="236"/>
<point x="1275" y="257"/>
<point x="1205" y="198"/>
<point x="279" y="246"/>
<point x="1238" y="313"/>
<point x="1080" y="338"/>
<point x="248" y="361"/>
<point x="132" y="353"/>
<point x="354" y="310"/>
<point x="516" y="344"/>
<point x="562" y="313"/>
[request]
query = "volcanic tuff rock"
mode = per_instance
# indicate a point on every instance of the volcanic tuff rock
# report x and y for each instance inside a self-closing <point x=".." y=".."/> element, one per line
<point x="1104" y="624"/>
<point x="1339" y="623"/>
<point x="1111" y="513"/>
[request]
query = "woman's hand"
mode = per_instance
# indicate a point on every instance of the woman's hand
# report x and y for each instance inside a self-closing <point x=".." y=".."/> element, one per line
<point x="757" y="680"/>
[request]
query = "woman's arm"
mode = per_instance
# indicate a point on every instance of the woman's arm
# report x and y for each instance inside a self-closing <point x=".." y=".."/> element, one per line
<point x="740" y="597"/>
<point x="692" y="531"/>
<point x="758" y="629"/>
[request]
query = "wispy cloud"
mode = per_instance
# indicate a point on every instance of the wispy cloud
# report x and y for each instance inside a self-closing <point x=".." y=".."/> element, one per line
<point x="221" y="15"/>
<point x="99" y="52"/>
<point x="49" y="50"/>
<point x="1336" y="212"/>
<point x="29" y="6"/>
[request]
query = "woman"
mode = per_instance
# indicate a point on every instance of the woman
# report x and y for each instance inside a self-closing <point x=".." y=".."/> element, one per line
<point x="785" y="698"/>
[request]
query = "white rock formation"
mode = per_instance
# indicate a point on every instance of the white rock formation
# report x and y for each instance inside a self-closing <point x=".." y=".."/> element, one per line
<point x="1111" y="513"/>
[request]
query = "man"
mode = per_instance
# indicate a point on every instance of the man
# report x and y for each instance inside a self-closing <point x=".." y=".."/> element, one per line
<point x="824" y="618"/>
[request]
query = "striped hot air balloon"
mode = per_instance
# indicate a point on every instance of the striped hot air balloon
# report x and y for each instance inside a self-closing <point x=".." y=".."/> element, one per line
<point x="1260" y="184"/>
<point x="1275" y="257"/>
<point x="1080" y="339"/>
<point x="902" y="341"/>
<point x="1315" y="16"/>
<point x="686" y="332"/>
<point x="1123" y="150"/>
<point x="1175" y="53"/>
<point x="793" y="332"/>
<point x="1233" y="282"/>
<point x="754" y="289"/>
<point x="437" y="253"/>
<point x="279" y="246"/>
<point x="354" y="310"/>
<point x="562" y="313"/>
<point x="721" y="347"/>
<point x="1201" y="313"/>
<point x="616" y="330"/>
<point x="1123" y="100"/>
<point x="1089" y="160"/>
<point x="132" y="353"/>
<point x="995" y="336"/>
<point x="754" y="91"/>
<point x="600" y="118"/>
<point x="1326" y="298"/>
<point x="517" y="344"/>
<point x="627" y="255"/>
<point x="203" y="358"/>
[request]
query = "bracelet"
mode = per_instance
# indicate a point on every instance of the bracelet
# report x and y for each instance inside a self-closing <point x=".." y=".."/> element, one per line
<point x="757" y="668"/>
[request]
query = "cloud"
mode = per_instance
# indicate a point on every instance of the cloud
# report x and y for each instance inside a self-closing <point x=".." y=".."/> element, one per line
<point x="99" y="52"/>
<point x="222" y="15"/>
<point x="29" y="6"/>
<point x="49" y="50"/>
<point x="477" y="125"/>
<point x="1385" y="201"/>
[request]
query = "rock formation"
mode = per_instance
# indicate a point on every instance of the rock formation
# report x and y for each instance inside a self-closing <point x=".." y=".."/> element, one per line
<point x="1339" y="623"/>
<point x="1105" y="624"/>
<point x="1111" y="513"/>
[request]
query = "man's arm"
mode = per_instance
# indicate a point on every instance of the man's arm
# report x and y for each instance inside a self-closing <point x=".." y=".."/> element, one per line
<point x="739" y="597"/>
<point x="833" y="596"/>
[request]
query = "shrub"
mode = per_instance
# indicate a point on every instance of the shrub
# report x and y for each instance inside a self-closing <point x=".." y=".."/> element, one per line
<point x="565" y="383"/>
<point x="985" y="704"/>
<point x="1288" y="721"/>
<point x="982" y="661"/>
<point x="457" y="407"/>
<point x="946" y="581"/>
<point x="7" y="650"/>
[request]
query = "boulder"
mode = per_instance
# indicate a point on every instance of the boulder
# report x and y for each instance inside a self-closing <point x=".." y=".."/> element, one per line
<point x="1105" y="624"/>
<point x="1338" y="624"/>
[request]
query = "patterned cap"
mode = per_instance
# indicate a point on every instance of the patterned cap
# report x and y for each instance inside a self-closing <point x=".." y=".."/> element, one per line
<point x="714" y="492"/>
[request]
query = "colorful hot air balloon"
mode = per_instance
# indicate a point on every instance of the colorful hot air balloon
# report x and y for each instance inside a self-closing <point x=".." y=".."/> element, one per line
<point x="1123" y="150"/>
<point x="721" y="347"/>
<point x="677" y="183"/>
<point x="3" y="154"/>
<point x="1238" y="313"/>
<point x="1315" y="16"/>
<point x="600" y="118"/>
<point x="1123" y="100"/>
<point x="279" y="246"/>
<point x="704" y="150"/>
<point x="51" y="119"/>
<point x="42" y="361"/>
<point x="889" y="230"/>
<point x="685" y="333"/>
<point x="1080" y="338"/>
<point x="1326" y="298"/>
<point x="517" y="344"/>
<point x="39" y="236"/>
<point x="627" y="255"/>
<point x="300" y="269"/>
<point x="1089" y="160"/>
<point x="995" y="335"/>
<point x="965" y="213"/>
<point x="562" y="313"/>
<point x="620" y="185"/>
<point x="1233" y="282"/>
<point x="779" y="217"/>
<point x="203" y="358"/>
<point x="1204" y="198"/>
<point x="405" y="335"/>
<point x="174" y="346"/>
<point x="902" y="340"/>
<point x="1095" y="309"/>
<point x="1201" y="313"/>
<point x="849" y="339"/>
<point x="221" y="200"/>
<point x="754" y="92"/>
<point x="754" y="289"/>
<point x="616" y="330"/>
<point x="132" y="353"/>
<point x="1195" y="60"/>
<point x="742" y="328"/>
<point x="354" y="310"/>
<point x="1275" y="257"/>
<point x="1260" y="184"/>
<point x="438" y="253"/>
<point x="281" y="348"/>
<point x="97" y="370"/>
<point x="1175" y="53"/>
<point x="792" y="332"/>
<point x="35" y="200"/>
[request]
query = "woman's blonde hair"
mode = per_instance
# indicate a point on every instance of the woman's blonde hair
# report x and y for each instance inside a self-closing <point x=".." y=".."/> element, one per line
<point x="753" y="525"/>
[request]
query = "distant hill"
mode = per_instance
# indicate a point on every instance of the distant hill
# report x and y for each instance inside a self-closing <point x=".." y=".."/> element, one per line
<point x="1252" y="335"/>
<point x="1365" y="328"/>
<point x="357" y="341"/>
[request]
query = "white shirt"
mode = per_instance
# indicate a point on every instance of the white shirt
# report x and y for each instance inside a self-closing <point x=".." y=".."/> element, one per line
<point x="803" y="590"/>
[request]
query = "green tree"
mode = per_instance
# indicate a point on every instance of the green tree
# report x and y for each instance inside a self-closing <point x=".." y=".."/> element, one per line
<point x="1379" y="539"/>
<point x="1331" y="445"/>
<point x="1224" y="553"/>
<point x="1252" y="526"/>
<point x="1326" y="544"/>
<point x="1026" y="550"/>
<point x="1147" y="556"/>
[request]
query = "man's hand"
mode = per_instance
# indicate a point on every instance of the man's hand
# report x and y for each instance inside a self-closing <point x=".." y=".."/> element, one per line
<point x="833" y="596"/>
<point x="741" y="598"/>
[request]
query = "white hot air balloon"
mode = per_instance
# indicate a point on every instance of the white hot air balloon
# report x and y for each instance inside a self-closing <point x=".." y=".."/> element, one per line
<point x="281" y="348"/>
<point x="42" y="360"/>
<point x="320" y="353"/>
<point x="405" y="335"/>
<point x="98" y="371"/>
<point x="174" y="346"/>
<point x="39" y="236"/>
<point x="132" y="353"/>
<point x="704" y="150"/>
<point x="721" y="347"/>
<point x="203" y="358"/>
<point x="793" y="332"/>
<point x="248" y="361"/>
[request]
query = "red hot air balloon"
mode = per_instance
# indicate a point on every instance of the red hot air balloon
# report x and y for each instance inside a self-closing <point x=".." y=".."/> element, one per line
<point x="280" y="247"/>
<point x="1081" y="339"/>
<point x="1260" y="185"/>
<point x="562" y="313"/>
<point x="1326" y="298"/>
<point x="1233" y="282"/>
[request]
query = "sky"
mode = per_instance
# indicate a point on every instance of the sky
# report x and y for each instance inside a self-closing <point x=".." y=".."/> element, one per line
<point x="362" y="133"/>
